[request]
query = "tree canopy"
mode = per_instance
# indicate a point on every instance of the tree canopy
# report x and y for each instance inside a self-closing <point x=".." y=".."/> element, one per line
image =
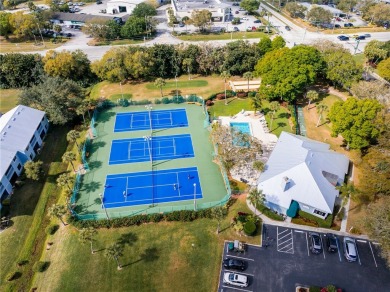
<point x="318" y="15"/>
<point x="356" y="120"/>
<point x="133" y="27"/>
<point x="201" y="18"/>
<point x="58" y="97"/>
<point x="287" y="72"/>
<point x="144" y="9"/>
<point x="376" y="51"/>
<point x="250" y="5"/>
<point x="384" y="69"/>
<point x="295" y="9"/>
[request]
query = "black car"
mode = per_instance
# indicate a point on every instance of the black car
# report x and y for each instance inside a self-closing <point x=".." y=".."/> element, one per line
<point x="99" y="2"/>
<point x="257" y="21"/>
<point x="234" y="264"/>
<point x="331" y="242"/>
<point x="316" y="243"/>
<point x="343" y="38"/>
<point x="361" y="37"/>
<point x="287" y="28"/>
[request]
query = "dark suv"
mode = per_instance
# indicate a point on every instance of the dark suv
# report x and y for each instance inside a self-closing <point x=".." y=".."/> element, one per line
<point x="331" y="242"/>
<point x="234" y="264"/>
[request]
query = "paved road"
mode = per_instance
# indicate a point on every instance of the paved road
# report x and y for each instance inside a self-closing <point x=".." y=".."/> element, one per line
<point x="297" y="35"/>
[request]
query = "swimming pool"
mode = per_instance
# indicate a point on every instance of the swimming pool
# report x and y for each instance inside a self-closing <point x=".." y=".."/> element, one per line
<point x="242" y="127"/>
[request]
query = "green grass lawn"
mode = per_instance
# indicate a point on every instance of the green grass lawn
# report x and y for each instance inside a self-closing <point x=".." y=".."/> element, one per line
<point x="165" y="256"/>
<point x="180" y="84"/>
<point x="329" y="100"/>
<point x="280" y="122"/>
<point x="241" y="35"/>
<point x="8" y="99"/>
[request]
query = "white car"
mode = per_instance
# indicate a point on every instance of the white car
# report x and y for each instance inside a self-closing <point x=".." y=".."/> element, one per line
<point x="245" y="18"/>
<point x="235" y="279"/>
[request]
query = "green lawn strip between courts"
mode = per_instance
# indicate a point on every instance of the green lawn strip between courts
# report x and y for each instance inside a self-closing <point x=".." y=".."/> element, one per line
<point x="8" y="99"/>
<point x="25" y="238"/>
<point x="180" y="84"/>
<point x="165" y="256"/>
<point x="93" y="181"/>
<point x="235" y="105"/>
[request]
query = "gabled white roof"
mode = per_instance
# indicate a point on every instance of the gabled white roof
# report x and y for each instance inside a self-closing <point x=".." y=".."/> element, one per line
<point x="16" y="129"/>
<point x="307" y="164"/>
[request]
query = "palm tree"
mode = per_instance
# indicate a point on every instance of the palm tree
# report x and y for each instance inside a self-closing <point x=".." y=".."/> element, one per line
<point x="256" y="196"/>
<point x="248" y="76"/>
<point x="160" y="82"/>
<point x="65" y="180"/>
<point x="274" y="106"/>
<point x="187" y="63"/>
<point x="186" y="20"/>
<point x="57" y="211"/>
<point x="225" y="75"/>
<point x="81" y="109"/>
<point x="88" y="235"/>
<point x="72" y="137"/>
<point x="114" y="252"/>
<point x="69" y="157"/>
<point x="347" y="190"/>
<point x="311" y="95"/>
<point x="257" y="102"/>
<point x="218" y="213"/>
<point x="321" y="108"/>
<point x="258" y="165"/>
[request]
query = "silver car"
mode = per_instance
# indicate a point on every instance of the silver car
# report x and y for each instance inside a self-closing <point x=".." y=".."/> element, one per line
<point x="235" y="279"/>
<point x="350" y="251"/>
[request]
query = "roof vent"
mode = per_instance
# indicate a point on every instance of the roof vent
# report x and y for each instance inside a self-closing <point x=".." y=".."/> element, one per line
<point x="9" y="126"/>
<point x="285" y="183"/>
<point x="309" y="162"/>
<point x="4" y="133"/>
<point x="18" y="113"/>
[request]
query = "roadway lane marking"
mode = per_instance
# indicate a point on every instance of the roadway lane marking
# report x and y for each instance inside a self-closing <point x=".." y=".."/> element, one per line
<point x="232" y="256"/>
<point x="373" y="254"/>
<point x="307" y="244"/>
<point x="230" y="287"/>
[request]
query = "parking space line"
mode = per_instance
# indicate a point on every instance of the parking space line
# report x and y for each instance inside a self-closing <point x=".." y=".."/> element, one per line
<point x="280" y="238"/>
<point x="232" y="256"/>
<point x="252" y="275"/>
<point x="322" y="245"/>
<point x="357" y="252"/>
<point x="236" y="288"/>
<point x="298" y="231"/>
<point x="338" y="248"/>
<point x="286" y="230"/>
<point x="307" y="244"/>
<point x="373" y="254"/>
<point x="360" y="240"/>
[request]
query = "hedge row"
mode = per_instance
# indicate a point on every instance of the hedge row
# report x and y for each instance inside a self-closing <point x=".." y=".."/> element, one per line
<point x="184" y="215"/>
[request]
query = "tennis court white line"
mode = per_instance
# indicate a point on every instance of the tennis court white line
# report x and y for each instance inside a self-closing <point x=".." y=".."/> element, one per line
<point x="174" y="146"/>
<point x="121" y="177"/>
<point x="131" y="121"/>
<point x="145" y="158"/>
<point x="170" y="113"/>
<point x="190" y="198"/>
<point x="129" y="150"/>
<point x="178" y="186"/>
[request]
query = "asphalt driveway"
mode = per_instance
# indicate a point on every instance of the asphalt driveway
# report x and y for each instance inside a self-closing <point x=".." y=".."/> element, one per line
<point x="285" y="261"/>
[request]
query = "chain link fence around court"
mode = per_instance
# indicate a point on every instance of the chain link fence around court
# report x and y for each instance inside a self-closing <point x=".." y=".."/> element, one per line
<point x="149" y="210"/>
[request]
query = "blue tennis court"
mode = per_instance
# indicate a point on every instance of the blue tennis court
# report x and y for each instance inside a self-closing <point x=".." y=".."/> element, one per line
<point x="146" y="188"/>
<point x="160" y="148"/>
<point x="161" y="119"/>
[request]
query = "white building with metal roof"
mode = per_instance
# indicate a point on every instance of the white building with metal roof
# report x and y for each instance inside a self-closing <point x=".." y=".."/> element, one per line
<point x="22" y="131"/>
<point x="303" y="171"/>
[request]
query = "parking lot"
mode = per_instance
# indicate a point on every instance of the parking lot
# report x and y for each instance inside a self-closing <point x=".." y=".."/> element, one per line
<point x="284" y="260"/>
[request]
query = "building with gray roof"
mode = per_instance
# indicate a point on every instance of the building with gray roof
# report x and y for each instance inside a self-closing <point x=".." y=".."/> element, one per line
<point x="303" y="171"/>
<point x="22" y="131"/>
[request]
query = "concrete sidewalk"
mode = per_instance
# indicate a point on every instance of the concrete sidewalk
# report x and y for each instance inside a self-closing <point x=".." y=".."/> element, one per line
<point x="269" y="221"/>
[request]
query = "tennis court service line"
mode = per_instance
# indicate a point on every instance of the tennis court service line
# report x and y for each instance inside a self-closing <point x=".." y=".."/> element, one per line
<point x="190" y="196"/>
<point x="131" y="121"/>
<point x="119" y="176"/>
<point x="178" y="186"/>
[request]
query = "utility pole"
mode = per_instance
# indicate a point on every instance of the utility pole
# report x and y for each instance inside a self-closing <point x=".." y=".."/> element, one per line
<point x="357" y="45"/>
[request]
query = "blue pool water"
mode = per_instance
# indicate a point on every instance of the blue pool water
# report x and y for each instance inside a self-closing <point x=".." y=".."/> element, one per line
<point x="242" y="127"/>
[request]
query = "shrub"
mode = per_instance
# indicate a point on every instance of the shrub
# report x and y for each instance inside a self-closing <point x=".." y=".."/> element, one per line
<point x="141" y="102"/>
<point x="209" y="102"/>
<point x="249" y="228"/>
<point x="327" y="223"/>
<point x="177" y="99"/>
<point x="165" y="100"/>
<point x="40" y="267"/>
<point x="251" y="93"/>
<point x="340" y="214"/>
<point x="157" y="101"/>
<point x="22" y="262"/>
<point x="123" y="102"/>
<point x="314" y="289"/>
<point x="13" y="276"/>
<point x="269" y="213"/>
<point x="51" y="229"/>
<point x="220" y="96"/>
<point x="242" y="94"/>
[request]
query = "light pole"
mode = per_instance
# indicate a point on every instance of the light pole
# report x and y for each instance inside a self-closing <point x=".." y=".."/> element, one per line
<point x="148" y="141"/>
<point x="357" y="45"/>
<point x="304" y="35"/>
<point x="120" y="84"/>
<point x="194" y="196"/>
<point x="105" y="210"/>
<point x="176" y="86"/>
<point x="149" y="108"/>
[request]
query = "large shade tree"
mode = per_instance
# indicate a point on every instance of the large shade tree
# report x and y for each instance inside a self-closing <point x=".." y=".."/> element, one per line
<point x="59" y="98"/>
<point x="356" y="120"/>
<point x="57" y="211"/>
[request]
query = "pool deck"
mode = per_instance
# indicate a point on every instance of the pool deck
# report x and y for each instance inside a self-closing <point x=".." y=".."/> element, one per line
<point x="257" y="125"/>
<point x="259" y="130"/>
